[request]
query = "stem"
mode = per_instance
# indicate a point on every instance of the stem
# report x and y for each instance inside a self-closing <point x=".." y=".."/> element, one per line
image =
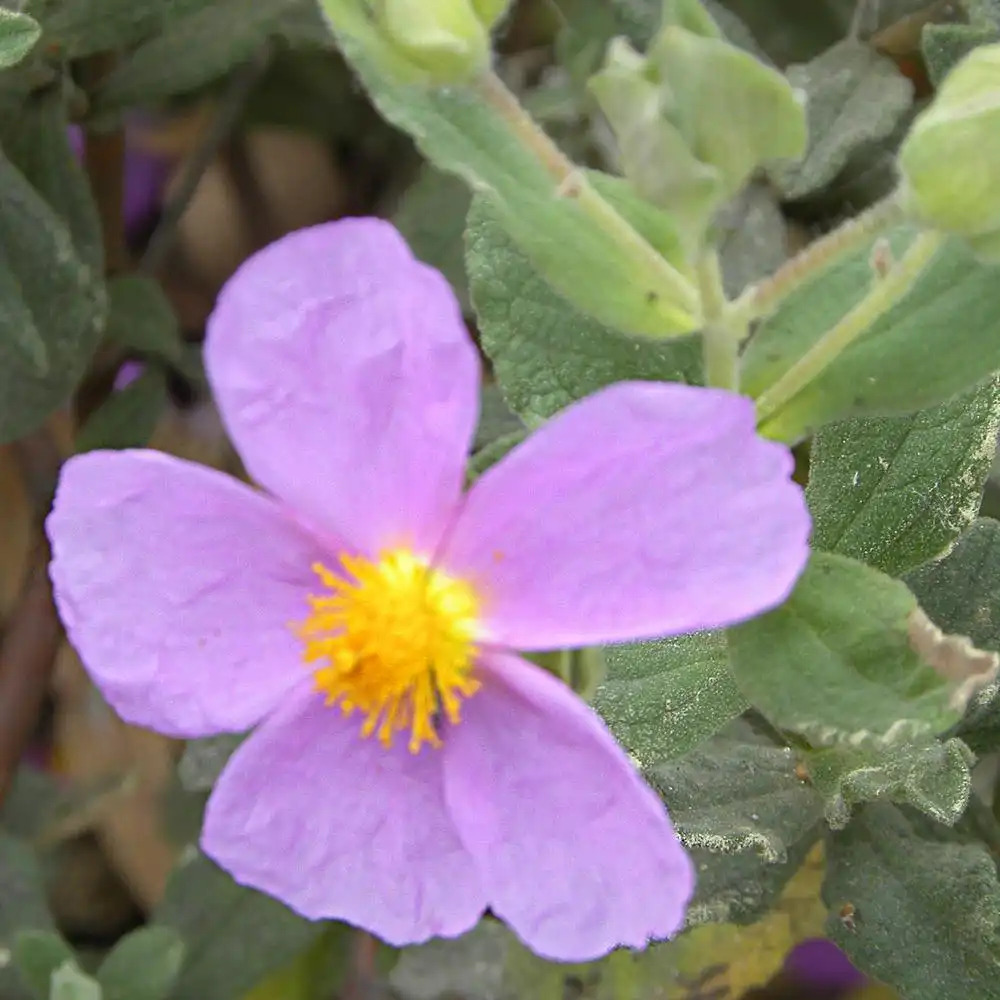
<point x="764" y="298"/>
<point x="884" y="294"/>
<point x="720" y="342"/>
<point x="104" y="162"/>
<point x="240" y="87"/>
<point x="571" y="182"/>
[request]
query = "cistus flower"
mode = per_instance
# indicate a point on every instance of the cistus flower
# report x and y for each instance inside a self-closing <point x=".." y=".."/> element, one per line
<point x="409" y="769"/>
<point x="820" y="963"/>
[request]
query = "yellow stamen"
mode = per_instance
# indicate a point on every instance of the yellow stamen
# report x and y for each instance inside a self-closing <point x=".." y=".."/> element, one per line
<point x="394" y="640"/>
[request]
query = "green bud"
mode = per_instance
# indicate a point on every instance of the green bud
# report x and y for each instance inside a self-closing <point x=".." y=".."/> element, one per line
<point x="734" y="112"/>
<point x="950" y="161"/>
<point x="490" y="11"/>
<point x="444" y="38"/>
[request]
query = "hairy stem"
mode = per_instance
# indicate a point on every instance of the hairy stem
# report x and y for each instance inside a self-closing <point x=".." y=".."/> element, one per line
<point x="763" y="298"/>
<point x="570" y="182"/>
<point x="885" y="293"/>
<point x="720" y="341"/>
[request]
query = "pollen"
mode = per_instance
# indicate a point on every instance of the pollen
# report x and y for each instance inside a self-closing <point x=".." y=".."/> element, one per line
<point x="393" y="640"/>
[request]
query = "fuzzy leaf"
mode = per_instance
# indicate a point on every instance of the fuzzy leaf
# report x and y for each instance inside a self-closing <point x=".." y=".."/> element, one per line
<point x="49" y="293"/>
<point x="234" y="936"/>
<point x="141" y="319"/>
<point x="926" y="905"/>
<point x="897" y="491"/>
<point x="663" y="698"/>
<point x="18" y="34"/>
<point x="933" y="777"/>
<point x="745" y="817"/>
<point x="962" y="593"/>
<point x="545" y="353"/>
<point x="37" y="955"/>
<point x="143" y="965"/>
<point x="853" y="96"/>
<point x="431" y="217"/>
<point x="23" y="907"/>
<point x="837" y="662"/>
<point x="938" y="341"/>
<point x="127" y="418"/>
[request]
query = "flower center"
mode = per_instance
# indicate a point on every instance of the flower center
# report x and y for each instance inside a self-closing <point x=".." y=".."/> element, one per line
<point x="394" y="641"/>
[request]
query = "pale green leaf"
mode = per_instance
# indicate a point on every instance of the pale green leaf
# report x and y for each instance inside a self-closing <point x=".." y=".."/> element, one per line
<point x="18" y="34"/>
<point x="835" y="661"/>
<point x="37" y="955"/>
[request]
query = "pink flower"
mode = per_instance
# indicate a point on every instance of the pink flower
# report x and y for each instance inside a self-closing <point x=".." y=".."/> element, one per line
<point x="408" y="769"/>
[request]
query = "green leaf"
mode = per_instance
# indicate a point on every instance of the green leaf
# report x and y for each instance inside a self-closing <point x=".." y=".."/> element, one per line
<point x="233" y="936"/>
<point x="203" y="760"/>
<point x="18" y="35"/>
<point x="897" y="491"/>
<point x="545" y="353"/>
<point x="853" y="96"/>
<point x="661" y="699"/>
<point x="943" y="45"/>
<point x="49" y="294"/>
<point x="141" y="319"/>
<point x="461" y="131"/>
<point x="495" y="418"/>
<point x="490" y="454"/>
<point x="143" y="965"/>
<point x="735" y="112"/>
<point x="69" y="983"/>
<point x="752" y="237"/>
<point x="431" y="217"/>
<point x="745" y="818"/>
<point x="926" y="905"/>
<point x="933" y="777"/>
<point x="835" y="661"/>
<point x="193" y="51"/>
<point x="23" y="906"/>
<point x="126" y="419"/>
<point x="37" y="142"/>
<point x="938" y="341"/>
<point x="961" y="593"/>
<point x="37" y="955"/>
<point x="82" y="27"/>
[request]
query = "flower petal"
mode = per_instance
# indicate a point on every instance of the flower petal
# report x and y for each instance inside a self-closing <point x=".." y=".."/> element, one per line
<point x="339" y="827"/>
<point x="647" y="509"/>
<point x="576" y="852"/>
<point x="176" y="584"/>
<point x="348" y="382"/>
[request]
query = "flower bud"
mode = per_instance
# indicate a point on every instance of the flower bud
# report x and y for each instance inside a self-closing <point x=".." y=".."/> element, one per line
<point x="950" y="161"/>
<point x="444" y="38"/>
<point x="490" y="11"/>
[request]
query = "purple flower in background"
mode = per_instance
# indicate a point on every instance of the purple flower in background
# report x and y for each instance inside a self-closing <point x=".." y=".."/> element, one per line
<point x="145" y="177"/>
<point x="820" y="963"/>
<point x="409" y="769"/>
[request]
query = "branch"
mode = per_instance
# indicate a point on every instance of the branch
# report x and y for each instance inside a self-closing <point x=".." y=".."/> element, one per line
<point x="33" y="633"/>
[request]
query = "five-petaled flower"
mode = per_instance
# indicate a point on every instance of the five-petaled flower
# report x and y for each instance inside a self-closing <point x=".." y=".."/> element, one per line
<point x="408" y="769"/>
